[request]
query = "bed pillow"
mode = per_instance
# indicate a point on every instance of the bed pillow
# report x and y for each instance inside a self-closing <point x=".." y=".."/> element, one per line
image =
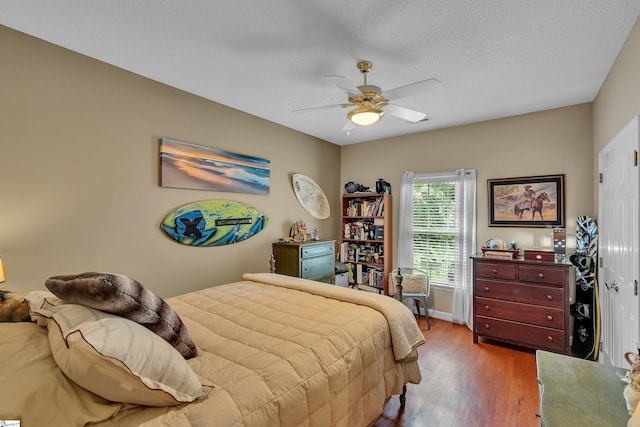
<point x="35" y="391"/>
<point x="119" y="359"/>
<point x="124" y="296"/>
<point x="42" y="301"/>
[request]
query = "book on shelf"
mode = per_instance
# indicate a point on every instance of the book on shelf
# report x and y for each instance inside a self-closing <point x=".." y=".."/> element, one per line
<point x="365" y="207"/>
<point x="343" y="251"/>
<point x="369" y="208"/>
<point x="380" y="208"/>
<point x="359" y="276"/>
<point x="376" y="278"/>
<point x="378" y="232"/>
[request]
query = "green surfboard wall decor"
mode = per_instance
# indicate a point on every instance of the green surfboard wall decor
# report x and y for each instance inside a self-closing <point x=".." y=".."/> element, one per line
<point x="213" y="223"/>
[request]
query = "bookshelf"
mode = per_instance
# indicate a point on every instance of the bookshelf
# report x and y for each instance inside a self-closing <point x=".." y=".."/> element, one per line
<point x="366" y="240"/>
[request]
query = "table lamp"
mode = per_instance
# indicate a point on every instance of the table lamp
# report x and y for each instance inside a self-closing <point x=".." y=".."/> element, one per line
<point x="1" y="272"/>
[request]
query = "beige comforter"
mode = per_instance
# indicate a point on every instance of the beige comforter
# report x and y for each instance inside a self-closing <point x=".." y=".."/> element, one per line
<point x="288" y="352"/>
<point x="281" y="353"/>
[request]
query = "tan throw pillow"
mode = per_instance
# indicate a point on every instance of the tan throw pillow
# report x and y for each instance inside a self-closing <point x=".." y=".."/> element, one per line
<point x="119" y="359"/>
<point x="124" y="296"/>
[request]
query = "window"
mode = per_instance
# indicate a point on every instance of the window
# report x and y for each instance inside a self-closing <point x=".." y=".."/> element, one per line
<point x="434" y="228"/>
<point x="437" y="227"/>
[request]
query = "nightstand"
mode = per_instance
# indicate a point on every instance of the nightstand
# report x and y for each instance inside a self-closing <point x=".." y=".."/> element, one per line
<point x="309" y="260"/>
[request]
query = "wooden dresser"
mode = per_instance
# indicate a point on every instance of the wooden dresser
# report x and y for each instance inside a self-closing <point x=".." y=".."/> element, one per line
<point x="310" y="260"/>
<point x="522" y="302"/>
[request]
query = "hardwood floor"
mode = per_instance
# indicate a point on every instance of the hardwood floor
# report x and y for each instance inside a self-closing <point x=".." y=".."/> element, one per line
<point x="465" y="384"/>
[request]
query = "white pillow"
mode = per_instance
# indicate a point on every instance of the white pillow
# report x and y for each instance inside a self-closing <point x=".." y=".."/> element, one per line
<point x="40" y="303"/>
<point x="119" y="359"/>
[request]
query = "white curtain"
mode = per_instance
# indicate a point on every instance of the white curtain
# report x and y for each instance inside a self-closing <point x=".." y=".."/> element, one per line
<point x="466" y="220"/>
<point x="466" y="240"/>
<point x="405" y="224"/>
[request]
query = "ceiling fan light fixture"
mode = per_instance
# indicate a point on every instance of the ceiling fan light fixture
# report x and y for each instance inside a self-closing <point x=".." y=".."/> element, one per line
<point x="365" y="116"/>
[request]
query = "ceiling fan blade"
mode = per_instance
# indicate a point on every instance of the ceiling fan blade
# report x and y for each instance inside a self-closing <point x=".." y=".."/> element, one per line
<point x="349" y="126"/>
<point x="322" y="107"/>
<point x="403" y="113"/>
<point x="429" y="85"/>
<point x="344" y="84"/>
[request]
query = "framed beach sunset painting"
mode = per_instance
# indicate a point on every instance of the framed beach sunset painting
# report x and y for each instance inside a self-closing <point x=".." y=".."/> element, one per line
<point x="189" y="166"/>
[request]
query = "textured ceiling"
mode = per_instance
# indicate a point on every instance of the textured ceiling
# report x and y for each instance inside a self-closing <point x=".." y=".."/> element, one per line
<point x="268" y="58"/>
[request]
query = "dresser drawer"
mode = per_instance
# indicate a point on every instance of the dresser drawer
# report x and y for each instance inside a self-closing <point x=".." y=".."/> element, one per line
<point x="309" y="251"/>
<point x="542" y="275"/>
<point x="496" y="271"/>
<point x="518" y="292"/>
<point x="531" y="336"/>
<point x="313" y="260"/>
<point x="518" y="312"/>
<point x="314" y="268"/>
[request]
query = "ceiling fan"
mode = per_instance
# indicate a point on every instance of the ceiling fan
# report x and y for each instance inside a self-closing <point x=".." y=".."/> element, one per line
<point x="371" y="102"/>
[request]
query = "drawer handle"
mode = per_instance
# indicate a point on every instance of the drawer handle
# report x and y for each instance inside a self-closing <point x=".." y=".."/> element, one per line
<point x="486" y="289"/>
<point x="494" y="271"/>
<point x="549" y="297"/>
<point x="538" y="256"/>
<point x="549" y="338"/>
<point x="540" y="275"/>
<point x="486" y="326"/>
<point x="549" y="317"/>
<point x="486" y="307"/>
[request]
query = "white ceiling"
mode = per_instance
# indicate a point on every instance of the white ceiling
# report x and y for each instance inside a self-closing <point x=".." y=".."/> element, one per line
<point x="268" y="57"/>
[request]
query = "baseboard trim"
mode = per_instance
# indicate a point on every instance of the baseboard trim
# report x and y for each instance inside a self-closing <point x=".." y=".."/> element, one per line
<point x="441" y="315"/>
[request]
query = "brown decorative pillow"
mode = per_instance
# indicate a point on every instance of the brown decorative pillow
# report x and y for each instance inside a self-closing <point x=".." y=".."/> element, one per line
<point x="124" y="296"/>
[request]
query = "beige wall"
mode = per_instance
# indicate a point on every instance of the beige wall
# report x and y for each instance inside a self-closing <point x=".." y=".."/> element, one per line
<point x="618" y="100"/>
<point x="79" y="166"/>
<point x="549" y="142"/>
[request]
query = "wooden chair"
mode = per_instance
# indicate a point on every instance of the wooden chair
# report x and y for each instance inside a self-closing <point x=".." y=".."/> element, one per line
<point x="414" y="286"/>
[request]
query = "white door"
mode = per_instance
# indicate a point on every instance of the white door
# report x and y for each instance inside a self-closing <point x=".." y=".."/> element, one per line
<point x="618" y="245"/>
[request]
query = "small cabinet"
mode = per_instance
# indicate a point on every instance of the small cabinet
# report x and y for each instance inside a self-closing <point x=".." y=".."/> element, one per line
<point x="308" y="260"/>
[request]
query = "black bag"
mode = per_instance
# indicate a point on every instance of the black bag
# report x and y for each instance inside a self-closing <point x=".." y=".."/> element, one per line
<point x="383" y="187"/>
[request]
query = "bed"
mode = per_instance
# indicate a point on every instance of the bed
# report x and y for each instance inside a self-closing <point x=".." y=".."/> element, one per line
<point x="271" y="350"/>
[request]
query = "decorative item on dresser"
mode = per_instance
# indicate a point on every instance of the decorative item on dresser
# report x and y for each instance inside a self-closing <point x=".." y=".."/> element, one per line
<point x="366" y="240"/>
<point x="313" y="260"/>
<point x="522" y="302"/>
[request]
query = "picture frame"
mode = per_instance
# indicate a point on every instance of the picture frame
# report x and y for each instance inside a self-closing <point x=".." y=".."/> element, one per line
<point x="197" y="167"/>
<point x="530" y="201"/>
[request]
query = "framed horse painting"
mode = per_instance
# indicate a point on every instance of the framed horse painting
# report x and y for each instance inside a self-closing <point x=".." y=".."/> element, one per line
<point x="530" y="201"/>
